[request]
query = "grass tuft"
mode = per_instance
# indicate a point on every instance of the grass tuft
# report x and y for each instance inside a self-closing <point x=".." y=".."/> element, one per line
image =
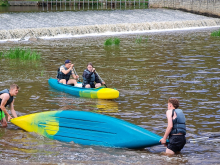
<point x="112" y="41"/>
<point x="21" y="53"/>
<point x="139" y="39"/>
<point x="216" y="33"/>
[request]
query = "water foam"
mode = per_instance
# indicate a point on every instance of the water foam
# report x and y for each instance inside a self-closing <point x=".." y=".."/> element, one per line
<point x="105" y="29"/>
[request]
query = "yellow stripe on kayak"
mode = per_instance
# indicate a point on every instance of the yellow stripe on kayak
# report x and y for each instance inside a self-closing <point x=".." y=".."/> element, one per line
<point x="30" y="123"/>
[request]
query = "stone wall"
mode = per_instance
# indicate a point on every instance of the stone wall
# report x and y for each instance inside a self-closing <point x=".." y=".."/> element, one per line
<point x="211" y="7"/>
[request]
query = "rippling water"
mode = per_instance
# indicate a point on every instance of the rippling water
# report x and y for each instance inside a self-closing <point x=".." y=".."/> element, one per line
<point x="181" y="64"/>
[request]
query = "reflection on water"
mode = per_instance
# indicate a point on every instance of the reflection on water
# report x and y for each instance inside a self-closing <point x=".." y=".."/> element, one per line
<point x="181" y="64"/>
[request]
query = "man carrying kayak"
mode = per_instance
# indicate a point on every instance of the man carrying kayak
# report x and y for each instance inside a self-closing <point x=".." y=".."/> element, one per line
<point x="64" y="72"/>
<point x="89" y="77"/>
<point x="7" y="98"/>
<point x="176" y="129"/>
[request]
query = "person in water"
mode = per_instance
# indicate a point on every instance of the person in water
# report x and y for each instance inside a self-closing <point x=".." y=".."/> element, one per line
<point x="89" y="77"/>
<point x="7" y="98"/>
<point x="176" y="129"/>
<point x="64" y="72"/>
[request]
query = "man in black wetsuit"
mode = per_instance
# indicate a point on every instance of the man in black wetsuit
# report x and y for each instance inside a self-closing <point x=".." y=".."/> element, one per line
<point x="7" y="98"/>
<point x="89" y="77"/>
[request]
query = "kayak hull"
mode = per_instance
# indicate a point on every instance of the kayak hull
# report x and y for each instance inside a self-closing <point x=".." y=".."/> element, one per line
<point x="87" y="128"/>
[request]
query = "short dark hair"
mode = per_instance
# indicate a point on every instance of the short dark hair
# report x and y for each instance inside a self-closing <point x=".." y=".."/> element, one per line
<point x="174" y="102"/>
<point x="89" y="64"/>
<point x="13" y="86"/>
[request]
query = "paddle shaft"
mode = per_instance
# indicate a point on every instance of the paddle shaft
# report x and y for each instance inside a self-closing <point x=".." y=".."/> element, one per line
<point x="100" y="78"/>
<point x="76" y="73"/>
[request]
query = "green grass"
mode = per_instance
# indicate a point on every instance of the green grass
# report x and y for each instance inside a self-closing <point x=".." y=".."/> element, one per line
<point x="4" y="3"/>
<point x="140" y="39"/>
<point x="216" y="33"/>
<point x="112" y="41"/>
<point x="21" y="53"/>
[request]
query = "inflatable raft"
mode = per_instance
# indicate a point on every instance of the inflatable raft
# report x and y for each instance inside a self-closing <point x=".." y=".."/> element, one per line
<point x="87" y="128"/>
<point x="100" y="93"/>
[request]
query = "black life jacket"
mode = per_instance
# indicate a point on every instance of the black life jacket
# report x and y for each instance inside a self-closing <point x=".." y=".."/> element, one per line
<point x="61" y="75"/>
<point x="9" y="100"/>
<point x="179" y="125"/>
<point x="89" y="80"/>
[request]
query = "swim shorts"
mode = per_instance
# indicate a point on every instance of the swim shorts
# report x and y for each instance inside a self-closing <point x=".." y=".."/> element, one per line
<point x="2" y="114"/>
<point x="176" y="142"/>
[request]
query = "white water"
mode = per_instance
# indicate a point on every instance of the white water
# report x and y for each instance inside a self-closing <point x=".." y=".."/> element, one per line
<point x="53" y="24"/>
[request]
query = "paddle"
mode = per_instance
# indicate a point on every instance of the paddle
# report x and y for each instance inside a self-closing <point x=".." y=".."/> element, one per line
<point x="100" y="78"/>
<point x="76" y="73"/>
<point x="202" y="139"/>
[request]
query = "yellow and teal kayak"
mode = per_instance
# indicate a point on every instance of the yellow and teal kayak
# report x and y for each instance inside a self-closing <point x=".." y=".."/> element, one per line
<point x="87" y="128"/>
<point x="99" y="93"/>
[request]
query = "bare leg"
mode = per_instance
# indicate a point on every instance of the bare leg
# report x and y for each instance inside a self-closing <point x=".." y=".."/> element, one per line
<point x="87" y="86"/>
<point x="63" y="81"/>
<point x="4" y="123"/>
<point x="72" y="81"/>
<point x="169" y="152"/>
<point x="98" y="85"/>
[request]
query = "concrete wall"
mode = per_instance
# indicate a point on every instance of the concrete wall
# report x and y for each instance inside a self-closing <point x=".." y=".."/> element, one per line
<point x="202" y="6"/>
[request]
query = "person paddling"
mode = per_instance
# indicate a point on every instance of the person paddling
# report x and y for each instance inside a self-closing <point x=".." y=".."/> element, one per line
<point x="64" y="72"/>
<point x="89" y="77"/>
<point x="176" y="129"/>
<point x="7" y="98"/>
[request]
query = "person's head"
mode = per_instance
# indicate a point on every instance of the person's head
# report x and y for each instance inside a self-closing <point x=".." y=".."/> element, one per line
<point x="14" y="89"/>
<point x="90" y="66"/>
<point x="68" y="64"/>
<point x="173" y="103"/>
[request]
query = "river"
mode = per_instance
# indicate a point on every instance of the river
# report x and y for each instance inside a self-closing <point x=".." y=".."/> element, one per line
<point x="182" y="64"/>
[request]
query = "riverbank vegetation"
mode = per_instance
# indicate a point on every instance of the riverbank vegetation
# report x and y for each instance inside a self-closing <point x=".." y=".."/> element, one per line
<point x="140" y="39"/>
<point x="112" y="41"/>
<point x="4" y="3"/>
<point x="21" y="53"/>
<point x="216" y="33"/>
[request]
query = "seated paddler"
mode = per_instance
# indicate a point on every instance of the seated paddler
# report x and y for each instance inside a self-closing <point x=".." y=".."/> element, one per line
<point x="65" y="71"/>
<point x="90" y="78"/>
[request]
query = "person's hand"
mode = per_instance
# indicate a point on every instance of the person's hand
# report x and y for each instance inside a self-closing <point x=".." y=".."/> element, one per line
<point x="77" y="76"/>
<point x="163" y="141"/>
<point x="103" y="82"/>
<point x="93" y="69"/>
<point x="9" y="118"/>
<point x="71" y="66"/>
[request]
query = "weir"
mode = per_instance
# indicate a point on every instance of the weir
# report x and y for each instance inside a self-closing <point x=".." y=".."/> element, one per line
<point x="208" y="7"/>
<point x="21" y="26"/>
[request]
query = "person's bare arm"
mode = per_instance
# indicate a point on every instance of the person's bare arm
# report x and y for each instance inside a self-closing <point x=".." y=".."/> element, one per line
<point x="12" y="109"/>
<point x="68" y="70"/>
<point x="169" y="126"/>
<point x="5" y="98"/>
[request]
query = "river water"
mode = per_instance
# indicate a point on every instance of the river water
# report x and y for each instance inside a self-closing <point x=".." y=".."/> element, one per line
<point x="182" y="64"/>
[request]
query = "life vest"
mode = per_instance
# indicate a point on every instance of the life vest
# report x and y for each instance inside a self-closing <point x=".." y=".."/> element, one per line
<point x="179" y="125"/>
<point x="89" y="80"/>
<point x="61" y="75"/>
<point x="9" y="100"/>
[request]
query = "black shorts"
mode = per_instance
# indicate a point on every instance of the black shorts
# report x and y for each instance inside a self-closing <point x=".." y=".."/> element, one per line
<point x="176" y="142"/>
